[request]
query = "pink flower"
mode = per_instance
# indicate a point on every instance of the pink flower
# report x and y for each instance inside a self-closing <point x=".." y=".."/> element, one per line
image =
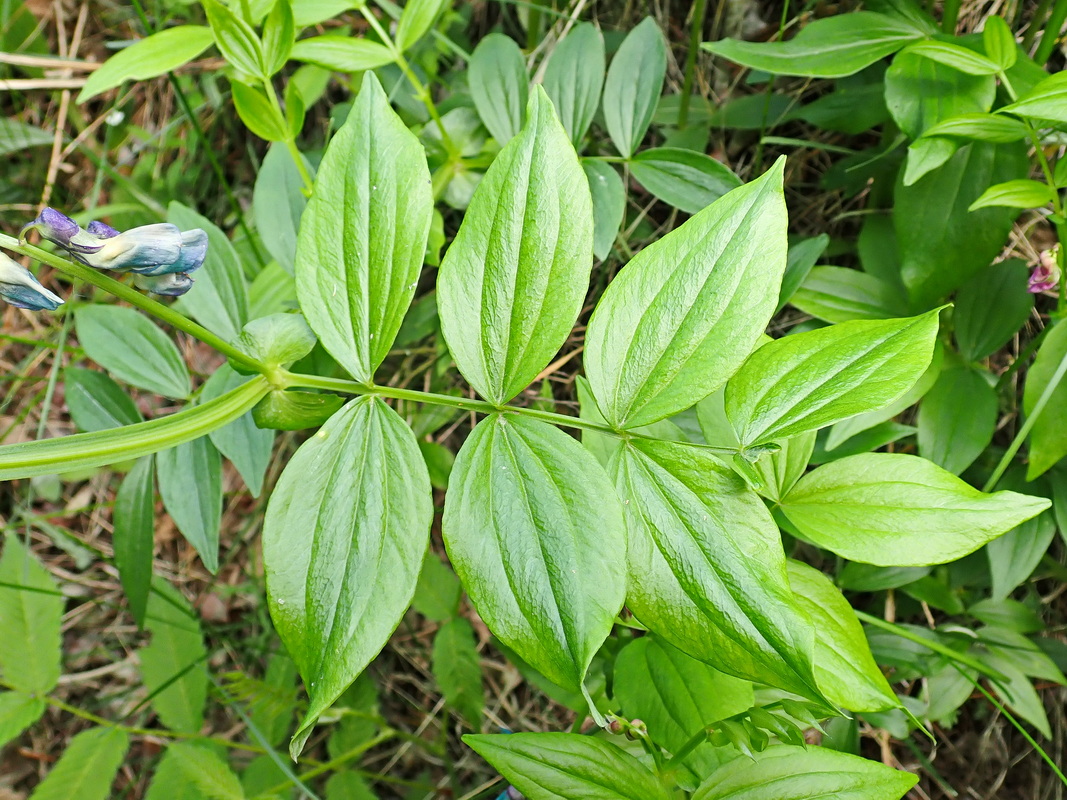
<point x="1046" y="274"/>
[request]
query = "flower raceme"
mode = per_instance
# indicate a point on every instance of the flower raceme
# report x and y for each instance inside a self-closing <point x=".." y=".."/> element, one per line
<point x="22" y="290"/>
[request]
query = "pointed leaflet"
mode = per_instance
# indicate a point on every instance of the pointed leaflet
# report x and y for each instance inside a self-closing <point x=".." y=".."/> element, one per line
<point x="363" y="234"/>
<point x="633" y="86"/>
<point x="897" y="510"/>
<point x="247" y="446"/>
<point x="86" y="768"/>
<point x="515" y="276"/>
<point x="343" y="542"/>
<point x="535" y="532"/>
<point x="133" y="525"/>
<point x="706" y="567"/>
<point x="31" y="610"/>
<point x="18" y="711"/>
<point x="457" y="669"/>
<point x="1048" y="436"/>
<point x="190" y="483"/>
<point x="499" y="85"/>
<point x="682" y="316"/>
<point x="574" y="77"/>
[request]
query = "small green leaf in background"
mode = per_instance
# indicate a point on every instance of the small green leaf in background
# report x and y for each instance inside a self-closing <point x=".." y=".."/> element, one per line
<point x="277" y="205"/>
<point x="837" y="294"/>
<point x="920" y="93"/>
<point x="681" y="317"/>
<point x="1046" y="101"/>
<point x="219" y="297"/>
<point x="535" y="532"/>
<point x="31" y="610"/>
<point x="342" y="53"/>
<point x="295" y="411"/>
<point x="249" y="447"/>
<point x="437" y="592"/>
<point x="514" y="278"/>
<point x="279" y="31"/>
<point x="155" y="55"/>
<point x="86" y="768"/>
<point x="980" y="127"/>
<point x="634" y="84"/>
<point x="457" y="669"/>
<point x="948" y="436"/>
<point x="363" y="234"/>
<point x="953" y="55"/>
<point x="682" y="178"/>
<point x="277" y="340"/>
<point x="609" y="204"/>
<point x="360" y="712"/>
<point x="96" y="402"/>
<point x="439" y="460"/>
<point x="18" y="711"/>
<point x="190" y="483"/>
<point x="235" y="38"/>
<point x="257" y="113"/>
<point x="1048" y="436"/>
<point x="574" y="77"/>
<point x="416" y="19"/>
<point x="343" y="542"/>
<point x="499" y="85"/>
<point x="999" y="42"/>
<point x="844" y="666"/>
<point x="549" y="766"/>
<point x="133" y="349"/>
<point x="892" y="509"/>
<point x="272" y="711"/>
<point x="133" y="537"/>
<point x="801" y="258"/>
<point x="826" y="48"/>
<point x="173" y="663"/>
<point x="1014" y="556"/>
<point x="16" y="136"/>
<point x="793" y="773"/>
<point x="806" y="381"/>
<point x="991" y="308"/>
<point x="196" y="770"/>
<point x="1023" y="193"/>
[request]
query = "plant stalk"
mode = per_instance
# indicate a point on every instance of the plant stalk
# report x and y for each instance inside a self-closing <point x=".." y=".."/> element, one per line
<point x="696" y="32"/>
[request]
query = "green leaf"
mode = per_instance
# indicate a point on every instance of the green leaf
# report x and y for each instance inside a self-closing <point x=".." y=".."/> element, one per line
<point x="458" y="671"/>
<point x="173" y="663"/>
<point x="1022" y="193"/>
<point x="279" y="32"/>
<point x="836" y="294"/>
<point x="343" y="542"/>
<point x="1018" y="692"/>
<point x="416" y="19"/>
<point x="235" y="38"/>
<point x="999" y="43"/>
<point x="706" y="567"/>
<point x="363" y="235"/>
<point x="793" y="773"/>
<point x="16" y="136"/>
<point x="991" y="308"/>
<point x="609" y="204"/>
<point x="342" y="53"/>
<point x="1015" y="555"/>
<point x="898" y="510"/>
<point x="844" y="667"/>
<point x="676" y="696"/>
<point x="942" y="245"/>
<point x="552" y="766"/>
<point x="535" y="532"/>
<point x="827" y="48"/>
<point x="295" y="411"/>
<point x="133" y="349"/>
<point x="682" y="178"/>
<point x="1048" y="436"/>
<point x="86" y="768"/>
<point x="97" y="449"/>
<point x="499" y="85"/>
<point x="981" y="127"/>
<point x="31" y="610"/>
<point x="927" y="154"/>
<point x="219" y="297"/>
<point x="246" y="445"/>
<point x="18" y="712"/>
<point x="277" y="205"/>
<point x="949" y="438"/>
<point x="186" y="764"/>
<point x="634" y="84"/>
<point x="920" y="93"/>
<point x="257" y="113"/>
<point x="437" y="592"/>
<point x="1046" y="101"/>
<point x="133" y="536"/>
<point x="96" y="402"/>
<point x="514" y="278"/>
<point x="312" y="12"/>
<point x="800" y="259"/>
<point x="682" y="316"/>
<point x="574" y="77"/>
<point x="272" y="291"/>
<point x="155" y="55"/>
<point x="953" y="55"/>
<point x="781" y="470"/>
<point x="809" y="380"/>
<point x="190" y="483"/>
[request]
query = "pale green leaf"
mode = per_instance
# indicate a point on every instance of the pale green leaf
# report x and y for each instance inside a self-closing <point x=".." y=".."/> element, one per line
<point x="574" y="77"/>
<point x="247" y="446"/>
<point x="31" y="610"/>
<point x="499" y="85"/>
<point x="133" y="534"/>
<point x="86" y="768"/>
<point x="152" y="56"/>
<point x="190" y="483"/>
<point x="634" y="84"/>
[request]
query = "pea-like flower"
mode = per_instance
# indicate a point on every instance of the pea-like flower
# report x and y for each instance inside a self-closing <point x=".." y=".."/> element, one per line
<point x="22" y="290"/>
<point x="1046" y="274"/>
<point x="173" y="284"/>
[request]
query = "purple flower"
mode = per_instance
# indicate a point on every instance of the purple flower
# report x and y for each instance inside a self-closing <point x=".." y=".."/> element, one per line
<point x="101" y="229"/>
<point x="53" y="226"/>
<point x="1046" y="274"/>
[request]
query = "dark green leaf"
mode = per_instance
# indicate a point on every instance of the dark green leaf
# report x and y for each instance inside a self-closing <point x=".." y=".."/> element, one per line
<point x="96" y="402"/>
<point x="437" y="592"/>
<point x="991" y="308"/>
<point x="16" y="136"/>
<point x="190" y="483"/>
<point x="949" y="438"/>
<point x="921" y="93"/>
<point x="133" y="537"/>
<point x="499" y="85"/>
<point x="633" y="86"/>
<point x="1048" y="436"/>
<point x="800" y="260"/>
<point x="836" y="294"/>
<point x="1015" y="555"/>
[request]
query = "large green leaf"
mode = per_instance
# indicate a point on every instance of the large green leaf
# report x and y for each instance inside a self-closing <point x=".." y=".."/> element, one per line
<point x="342" y="53"/>
<point x="513" y="281"/>
<point x="706" y="567"/>
<point x="803" y="773"/>
<point x="130" y="347"/>
<point x="277" y="205"/>
<point x="96" y="402"/>
<point x="97" y="449"/>
<point x="682" y="316"/>
<point x="499" y="85"/>
<point x="942" y="244"/>
<point x="152" y="56"/>
<point x="574" y="78"/>
<point x="949" y="438"/>
<point x="133" y="534"/>
<point x="1048" y="436"/>
<point x="173" y="663"/>
<point x="363" y="234"/>
<point x="535" y="532"/>
<point x="633" y="86"/>
<point x="86" y="768"/>
<point x="899" y="510"/>
<point x="991" y="308"/>
<point x="190" y="483"/>
<point x="827" y="48"/>
<point x="343" y="542"/>
<point x="31" y="610"/>
<point x="809" y="380"/>
<point x="246" y="445"/>
<point x="568" y="766"/>
<point x="844" y="666"/>
<point x="920" y="93"/>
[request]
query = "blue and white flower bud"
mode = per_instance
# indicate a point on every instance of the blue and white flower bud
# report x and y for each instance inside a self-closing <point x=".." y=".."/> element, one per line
<point x="148" y="246"/>
<point x="21" y="289"/>
<point x="172" y="284"/>
<point x="193" y="252"/>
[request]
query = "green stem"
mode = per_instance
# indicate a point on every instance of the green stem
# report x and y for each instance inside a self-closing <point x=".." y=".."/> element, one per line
<point x="1035" y="24"/>
<point x="996" y="703"/>
<point x="290" y="142"/>
<point x="134" y="297"/>
<point x="696" y="31"/>
<point x="1052" y="32"/>
<point x="333" y="764"/>
<point x="950" y="16"/>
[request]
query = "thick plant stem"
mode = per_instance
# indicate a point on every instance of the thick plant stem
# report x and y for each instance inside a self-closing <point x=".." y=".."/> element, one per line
<point x="135" y="298"/>
<point x="950" y="16"/>
<point x="1051" y="36"/>
<point x="1035" y="24"/>
<point x="696" y="31"/>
